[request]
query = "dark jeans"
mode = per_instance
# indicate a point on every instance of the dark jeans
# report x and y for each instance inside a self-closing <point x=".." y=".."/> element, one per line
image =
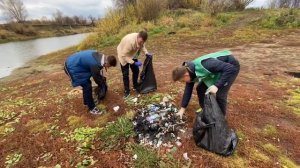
<point x="222" y="93"/>
<point x="88" y="100"/>
<point x="87" y="91"/>
<point x="135" y="75"/>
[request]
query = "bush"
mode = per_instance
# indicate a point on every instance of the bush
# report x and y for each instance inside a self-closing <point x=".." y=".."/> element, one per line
<point x="148" y="10"/>
<point x="283" y="19"/>
<point x="23" y="29"/>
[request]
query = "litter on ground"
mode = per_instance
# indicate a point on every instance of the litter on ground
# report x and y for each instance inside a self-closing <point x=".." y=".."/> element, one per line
<point x="157" y="125"/>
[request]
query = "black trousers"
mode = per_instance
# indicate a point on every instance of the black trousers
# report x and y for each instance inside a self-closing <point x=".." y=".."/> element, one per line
<point x="87" y="91"/>
<point x="221" y="95"/>
<point x="135" y="75"/>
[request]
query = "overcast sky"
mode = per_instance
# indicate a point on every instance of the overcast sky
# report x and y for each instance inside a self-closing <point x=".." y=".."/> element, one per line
<point x="39" y="8"/>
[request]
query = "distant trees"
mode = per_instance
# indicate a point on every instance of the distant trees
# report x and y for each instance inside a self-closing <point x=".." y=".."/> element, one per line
<point x="284" y="3"/>
<point x="61" y="19"/>
<point x="14" y="10"/>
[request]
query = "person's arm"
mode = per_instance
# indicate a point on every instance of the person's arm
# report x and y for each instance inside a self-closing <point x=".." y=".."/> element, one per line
<point x="217" y="66"/>
<point x="95" y="70"/>
<point x="188" y="91"/>
<point x="144" y="49"/>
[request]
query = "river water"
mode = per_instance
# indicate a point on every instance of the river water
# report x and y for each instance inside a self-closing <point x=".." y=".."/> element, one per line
<point x="15" y="54"/>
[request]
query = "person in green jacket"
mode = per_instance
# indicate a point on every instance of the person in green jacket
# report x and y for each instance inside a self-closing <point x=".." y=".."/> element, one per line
<point x="215" y="74"/>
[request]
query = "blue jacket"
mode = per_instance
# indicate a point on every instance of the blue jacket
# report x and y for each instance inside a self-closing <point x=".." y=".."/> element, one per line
<point x="81" y="66"/>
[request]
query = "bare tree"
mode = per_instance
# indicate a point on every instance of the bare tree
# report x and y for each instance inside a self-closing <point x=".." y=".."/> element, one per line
<point x="92" y="20"/>
<point x="284" y="3"/>
<point x="58" y="17"/>
<point x="14" y="10"/>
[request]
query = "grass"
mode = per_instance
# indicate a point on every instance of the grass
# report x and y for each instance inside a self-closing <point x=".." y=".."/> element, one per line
<point x="117" y="132"/>
<point x="146" y="158"/>
<point x="270" y="131"/>
<point x="258" y="155"/>
<point x="277" y="19"/>
<point x="13" y="159"/>
<point x="21" y="33"/>
<point x="86" y="162"/>
<point x="294" y="100"/>
<point x="287" y="163"/>
<point x="271" y="148"/>
<point x="75" y="121"/>
<point x="37" y="126"/>
<point x="84" y="136"/>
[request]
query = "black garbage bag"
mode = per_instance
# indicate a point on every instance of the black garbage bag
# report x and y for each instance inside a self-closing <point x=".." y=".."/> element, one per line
<point x="147" y="82"/>
<point x="211" y="131"/>
<point x="101" y="89"/>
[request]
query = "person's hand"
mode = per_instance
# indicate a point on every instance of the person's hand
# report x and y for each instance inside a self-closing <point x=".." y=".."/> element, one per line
<point x="149" y="55"/>
<point x="181" y="112"/>
<point x="138" y="63"/>
<point x="212" y="89"/>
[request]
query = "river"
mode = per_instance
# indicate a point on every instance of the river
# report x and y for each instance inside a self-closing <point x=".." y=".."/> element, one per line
<point x="15" y="54"/>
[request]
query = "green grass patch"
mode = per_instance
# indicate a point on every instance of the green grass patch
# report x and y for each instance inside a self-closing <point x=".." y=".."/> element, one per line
<point x="258" y="156"/>
<point x="294" y="100"/>
<point x="37" y="126"/>
<point x="287" y="163"/>
<point x="270" y="131"/>
<point x="86" y="162"/>
<point x="146" y="158"/>
<point x="6" y="116"/>
<point x="117" y="132"/>
<point x="13" y="159"/>
<point x="84" y="137"/>
<point x="6" y="129"/>
<point x="168" y="160"/>
<point x="236" y="161"/>
<point x="241" y="135"/>
<point x="285" y="18"/>
<point x="75" y="121"/>
<point x="271" y="148"/>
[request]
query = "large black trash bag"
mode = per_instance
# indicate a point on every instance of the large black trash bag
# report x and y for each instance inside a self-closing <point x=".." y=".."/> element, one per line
<point x="211" y="131"/>
<point x="101" y="89"/>
<point x="147" y="81"/>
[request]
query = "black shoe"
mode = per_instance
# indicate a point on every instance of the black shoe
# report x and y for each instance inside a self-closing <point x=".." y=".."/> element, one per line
<point x="126" y="95"/>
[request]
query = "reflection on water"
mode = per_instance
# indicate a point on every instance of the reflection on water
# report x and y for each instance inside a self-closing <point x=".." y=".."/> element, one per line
<point x="16" y="54"/>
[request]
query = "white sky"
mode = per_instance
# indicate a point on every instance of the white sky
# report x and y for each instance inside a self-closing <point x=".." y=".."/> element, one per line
<point x="39" y="8"/>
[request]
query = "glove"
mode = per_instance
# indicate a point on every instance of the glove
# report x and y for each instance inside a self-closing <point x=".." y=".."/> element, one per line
<point x="149" y="55"/>
<point x="212" y="89"/>
<point x="138" y="63"/>
<point x="180" y="112"/>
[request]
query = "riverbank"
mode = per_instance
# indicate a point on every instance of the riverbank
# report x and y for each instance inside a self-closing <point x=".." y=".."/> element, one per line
<point x="23" y="33"/>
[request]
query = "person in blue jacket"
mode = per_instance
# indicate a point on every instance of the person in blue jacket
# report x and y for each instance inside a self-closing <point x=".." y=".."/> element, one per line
<point x="215" y="73"/>
<point x="81" y="66"/>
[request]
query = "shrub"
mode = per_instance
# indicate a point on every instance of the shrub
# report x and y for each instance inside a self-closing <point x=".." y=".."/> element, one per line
<point x="22" y="29"/>
<point x="283" y="19"/>
<point x="148" y="10"/>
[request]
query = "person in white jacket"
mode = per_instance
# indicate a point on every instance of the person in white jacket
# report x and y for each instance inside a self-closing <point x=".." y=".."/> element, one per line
<point x="129" y="50"/>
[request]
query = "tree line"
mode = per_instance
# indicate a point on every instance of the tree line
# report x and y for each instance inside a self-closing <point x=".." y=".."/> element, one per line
<point x="15" y="11"/>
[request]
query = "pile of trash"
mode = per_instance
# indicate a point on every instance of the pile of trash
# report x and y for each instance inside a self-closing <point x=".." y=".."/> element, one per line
<point x="157" y="125"/>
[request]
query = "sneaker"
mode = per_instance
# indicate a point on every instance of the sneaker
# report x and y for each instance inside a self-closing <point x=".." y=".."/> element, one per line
<point x="126" y="95"/>
<point x="96" y="111"/>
